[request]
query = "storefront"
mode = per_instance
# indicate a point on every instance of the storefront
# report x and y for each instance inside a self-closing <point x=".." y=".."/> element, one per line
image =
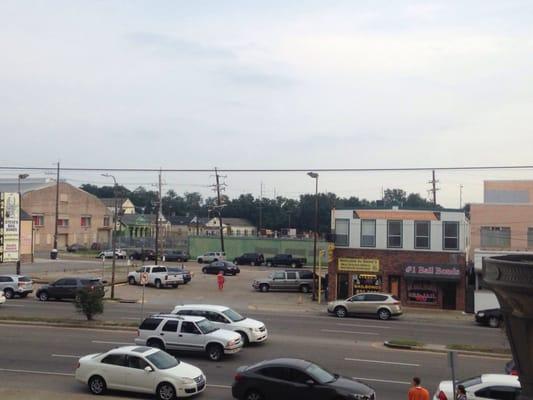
<point x="358" y="275"/>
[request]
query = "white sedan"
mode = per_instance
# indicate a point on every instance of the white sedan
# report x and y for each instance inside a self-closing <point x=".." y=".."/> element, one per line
<point x="2" y="297"/>
<point x="140" y="369"/>
<point x="487" y="386"/>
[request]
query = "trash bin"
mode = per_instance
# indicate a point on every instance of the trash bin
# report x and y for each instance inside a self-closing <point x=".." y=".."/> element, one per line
<point x="53" y="254"/>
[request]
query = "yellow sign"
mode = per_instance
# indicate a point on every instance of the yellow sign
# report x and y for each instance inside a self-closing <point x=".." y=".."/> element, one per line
<point x="358" y="264"/>
<point x="331" y="249"/>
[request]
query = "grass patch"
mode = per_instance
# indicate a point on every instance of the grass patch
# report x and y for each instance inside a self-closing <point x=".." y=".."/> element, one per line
<point x="68" y="321"/>
<point x="405" y="342"/>
<point x="480" y="349"/>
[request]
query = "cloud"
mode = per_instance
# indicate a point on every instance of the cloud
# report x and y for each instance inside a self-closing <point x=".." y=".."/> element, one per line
<point x="248" y="76"/>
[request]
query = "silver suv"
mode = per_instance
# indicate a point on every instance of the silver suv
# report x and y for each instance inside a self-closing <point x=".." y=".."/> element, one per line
<point x="187" y="333"/>
<point x="286" y="280"/>
<point x="16" y="285"/>
<point x="384" y="305"/>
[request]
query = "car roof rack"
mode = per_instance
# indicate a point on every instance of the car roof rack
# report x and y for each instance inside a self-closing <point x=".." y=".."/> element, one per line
<point x="166" y="315"/>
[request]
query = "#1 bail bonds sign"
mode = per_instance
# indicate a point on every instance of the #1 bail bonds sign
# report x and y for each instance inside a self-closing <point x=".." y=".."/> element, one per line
<point x="9" y="227"/>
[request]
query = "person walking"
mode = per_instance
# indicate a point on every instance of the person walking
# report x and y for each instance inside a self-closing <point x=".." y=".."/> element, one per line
<point x="461" y="393"/>
<point x="417" y="392"/>
<point x="220" y="280"/>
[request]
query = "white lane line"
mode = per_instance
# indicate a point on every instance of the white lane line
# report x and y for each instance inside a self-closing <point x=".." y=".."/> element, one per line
<point x="119" y="343"/>
<point x="132" y="318"/>
<point x="26" y="371"/>
<point x="219" y="386"/>
<point x="341" y="331"/>
<point x="365" y="326"/>
<point x="381" y="380"/>
<point x="65" y="356"/>
<point x="14" y="305"/>
<point x="382" y="362"/>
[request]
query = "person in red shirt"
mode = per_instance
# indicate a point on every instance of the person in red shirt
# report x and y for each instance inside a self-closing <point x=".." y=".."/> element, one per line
<point x="220" y="280"/>
<point x="417" y="392"/>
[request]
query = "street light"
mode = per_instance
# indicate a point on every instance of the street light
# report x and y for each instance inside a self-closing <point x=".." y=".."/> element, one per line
<point x="20" y="177"/>
<point x="114" y="240"/>
<point x="314" y="175"/>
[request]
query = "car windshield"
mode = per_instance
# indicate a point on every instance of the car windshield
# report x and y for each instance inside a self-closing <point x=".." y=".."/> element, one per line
<point x="206" y="326"/>
<point x="234" y="316"/>
<point x="24" y="279"/>
<point x="162" y="360"/>
<point x="320" y="375"/>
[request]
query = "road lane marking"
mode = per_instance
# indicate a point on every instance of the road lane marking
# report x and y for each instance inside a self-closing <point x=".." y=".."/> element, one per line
<point x="132" y="318"/>
<point x="382" y="362"/>
<point x="219" y="386"/>
<point x="26" y="371"/>
<point x="341" y="331"/>
<point x="381" y="380"/>
<point x="119" y="343"/>
<point x="13" y="305"/>
<point x="365" y="326"/>
<point x="65" y="356"/>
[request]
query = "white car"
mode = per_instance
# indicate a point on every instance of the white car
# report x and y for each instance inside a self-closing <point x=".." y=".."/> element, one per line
<point x="109" y="254"/>
<point x="251" y="330"/>
<point x="2" y="297"/>
<point x="140" y="369"/>
<point x="158" y="276"/>
<point x="487" y="386"/>
<point x="211" y="256"/>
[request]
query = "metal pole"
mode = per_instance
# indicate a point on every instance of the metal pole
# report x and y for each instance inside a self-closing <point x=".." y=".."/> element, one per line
<point x="315" y="239"/>
<point x="115" y="219"/>
<point x="219" y="214"/>
<point x="20" y="226"/>
<point x="57" y="206"/>
<point x="319" y="277"/>
<point x="157" y="222"/>
<point x="142" y="304"/>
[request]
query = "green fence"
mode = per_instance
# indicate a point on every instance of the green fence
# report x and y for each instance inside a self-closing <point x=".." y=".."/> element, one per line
<point x="235" y="246"/>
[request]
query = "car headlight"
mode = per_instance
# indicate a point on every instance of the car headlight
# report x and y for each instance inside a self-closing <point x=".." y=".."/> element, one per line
<point x="230" y="343"/>
<point x="480" y="314"/>
<point x="361" y="396"/>
<point x="186" y="381"/>
<point x="258" y="330"/>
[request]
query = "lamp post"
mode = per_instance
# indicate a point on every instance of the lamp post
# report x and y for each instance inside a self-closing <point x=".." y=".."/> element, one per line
<point x="20" y="177"/>
<point x="114" y="239"/>
<point x="314" y="175"/>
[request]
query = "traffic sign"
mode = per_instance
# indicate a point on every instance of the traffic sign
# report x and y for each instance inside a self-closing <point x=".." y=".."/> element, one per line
<point x="144" y="278"/>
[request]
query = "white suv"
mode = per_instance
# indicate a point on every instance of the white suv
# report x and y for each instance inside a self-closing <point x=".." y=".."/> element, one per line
<point x="173" y="332"/>
<point x="211" y="256"/>
<point x="224" y="317"/>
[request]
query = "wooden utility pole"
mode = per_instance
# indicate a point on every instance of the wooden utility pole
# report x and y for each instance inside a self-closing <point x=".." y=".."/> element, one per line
<point x="217" y="187"/>
<point x="434" y="188"/>
<point x="57" y="207"/>
<point x="157" y="216"/>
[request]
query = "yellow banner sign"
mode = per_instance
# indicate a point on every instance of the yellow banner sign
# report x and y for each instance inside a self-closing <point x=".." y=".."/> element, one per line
<point x="358" y="264"/>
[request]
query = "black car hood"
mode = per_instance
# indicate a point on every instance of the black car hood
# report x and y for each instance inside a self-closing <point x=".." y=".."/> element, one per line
<point x="351" y="386"/>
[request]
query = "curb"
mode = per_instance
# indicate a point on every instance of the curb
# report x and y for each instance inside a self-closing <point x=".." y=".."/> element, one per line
<point x="68" y="325"/>
<point x="504" y="356"/>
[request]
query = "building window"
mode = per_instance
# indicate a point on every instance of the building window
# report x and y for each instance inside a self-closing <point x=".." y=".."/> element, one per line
<point x="62" y="222"/>
<point x="422" y="234"/>
<point x="85" y="222"/>
<point x="38" y="220"/>
<point x="495" y="237"/>
<point x="342" y="232"/>
<point x="422" y="292"/>
<point x="394" y="234"/>
<point x="106" y="221"/>
<point x="530" y="238"/>
<point x="368" y="233"/>
<point x="451" y="235"/>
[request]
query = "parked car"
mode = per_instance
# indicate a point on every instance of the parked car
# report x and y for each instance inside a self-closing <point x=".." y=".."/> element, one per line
<point x="142" y="255"/>
<point x="73" y="248"/>
<point x="286" y="260"/>
<point x="250" y="259"/>
<point x="226" y="267"/>
<point x="16" y="285"/>
<point x="211" y="256"/>
<point x="119" y="253"/>
<point x="68" y="288"/>
<point x="492" y="317"/>
<point x="140" y="369"/>
<point x="2" y="297"/>
<point x="187" y="333"/>
<point x="383" y="305"/>
<point x="286" y="280"/>
<point x="158" y="276"/>
<point x="511" y="368"/>
<point x="251" y="330"/>
<point x="176" y="255"/>
<point x="488" y="386"/>
<point x="185" y="274"/>
<point x="290" y="378"/>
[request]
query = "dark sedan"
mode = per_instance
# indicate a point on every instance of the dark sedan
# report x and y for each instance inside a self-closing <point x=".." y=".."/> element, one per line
<point x="492" y="317"/>
<point x="181" y="271"/>
<point x="142" y="255"/>
<point x="226" y="267"/>
<point x="250" y="259"/>
<point x="290" y="378"/>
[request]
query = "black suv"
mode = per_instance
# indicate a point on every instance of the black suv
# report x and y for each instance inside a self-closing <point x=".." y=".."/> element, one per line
<point x="176" y="255"/>
<point x="249" y="259"/>
<point x="68" y="288"/>
<point x="143" y="255"/>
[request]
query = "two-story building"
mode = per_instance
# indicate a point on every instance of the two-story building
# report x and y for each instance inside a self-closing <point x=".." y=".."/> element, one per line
<point x="417" y="255"/>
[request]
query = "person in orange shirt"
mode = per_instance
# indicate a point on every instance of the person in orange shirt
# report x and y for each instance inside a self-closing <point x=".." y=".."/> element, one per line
<point x="417" y="392"/>
<point x="220" y="280"/>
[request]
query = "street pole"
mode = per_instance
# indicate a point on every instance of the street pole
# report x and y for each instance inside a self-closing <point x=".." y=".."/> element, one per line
<point x="219" y="212"/>
<point x="21" y="176"/>
<point x="114" y="239"/>
<point x="314" y="175"/>
<point x="158" y="210"/>
<point x="320" y="276"/>
<point x="57" y="207"/>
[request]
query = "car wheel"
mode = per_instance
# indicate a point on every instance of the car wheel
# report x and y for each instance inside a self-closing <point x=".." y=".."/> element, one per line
<point x="215" y="259"/>
<point x="215" y="352"/>
<point x="304" y="289"/>
<point x="293" y="265"/>
<point x="204" y="270"/>
<point x="253" y="394"/>
<point x="264" y="287"/>
<point x="9" y="293"/>
<point x="200" y="261"/>
<point x="494" y="322"/>
<point x="252" y="263"/>
<point x="23" y="295"/>
<point x="156" y="343"/>
<point x="158" y="284"/>
<point x="97" y="385"/>
<point x="43" y="296"/>
<point x="269" y="264"/>
<point x="131" y="280"/>
<point x="244" y="338"/>
<point x="384" y="314"/>
<point x="341" y="312"/>
<point x="165" y="391"/>
<point x="175" y="286"/>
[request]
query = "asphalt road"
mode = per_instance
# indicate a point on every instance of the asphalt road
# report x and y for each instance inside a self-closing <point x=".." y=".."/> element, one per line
<point x="43" y="359"/>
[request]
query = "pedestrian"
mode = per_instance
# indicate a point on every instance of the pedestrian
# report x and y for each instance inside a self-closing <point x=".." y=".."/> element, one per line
<point x="220" y="280"/>
<point x="417" y="392"/>
<point x="461" y="393"/>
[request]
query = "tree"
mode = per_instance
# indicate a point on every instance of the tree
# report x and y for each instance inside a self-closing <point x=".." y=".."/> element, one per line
<point x="89" y="303"/>
<point x="394" y="197"/>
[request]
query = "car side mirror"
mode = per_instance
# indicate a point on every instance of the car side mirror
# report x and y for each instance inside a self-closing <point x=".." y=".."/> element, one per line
<point x="309" y="382"/>
<point x="148" y="369"/>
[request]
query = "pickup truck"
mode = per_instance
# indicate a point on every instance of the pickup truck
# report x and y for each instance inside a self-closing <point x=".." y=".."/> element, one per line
<point x="286" y="260"/>
<point x="158" y="276"/>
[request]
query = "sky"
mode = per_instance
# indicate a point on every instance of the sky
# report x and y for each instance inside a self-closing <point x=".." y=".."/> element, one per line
<point x="273" y="84"/>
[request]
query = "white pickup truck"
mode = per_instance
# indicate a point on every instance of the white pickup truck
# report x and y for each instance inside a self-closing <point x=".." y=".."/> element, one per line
<point x="158" y="276"/>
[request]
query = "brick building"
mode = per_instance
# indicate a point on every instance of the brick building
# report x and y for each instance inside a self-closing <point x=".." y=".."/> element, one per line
<point x="417" y="255"/>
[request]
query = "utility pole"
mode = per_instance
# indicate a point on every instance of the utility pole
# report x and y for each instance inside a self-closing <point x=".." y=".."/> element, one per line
<point x="260" y="210"/>
<point x="114" y="239"/>
<point x="218" y="208"/>
<point x="57" y="206"/>
<point x="158" y="213"/>
<point x="434" y="188"/>
<point x="461" y="195"/>
<point x="21" y="176"/>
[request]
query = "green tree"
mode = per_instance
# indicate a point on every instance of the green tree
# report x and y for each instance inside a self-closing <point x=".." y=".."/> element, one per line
<point x="89" y="303"/>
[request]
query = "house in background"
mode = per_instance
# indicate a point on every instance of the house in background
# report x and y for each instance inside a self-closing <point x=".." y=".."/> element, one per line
<point x="139" y="229"/>
<point x="124" y="206"/>
<point x="197" y="226"/>
<point x="230" y="227"/>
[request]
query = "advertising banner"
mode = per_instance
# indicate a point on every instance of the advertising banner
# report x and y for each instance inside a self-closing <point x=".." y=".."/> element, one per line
<point x="9" y="231"/>
<point x="358" y="264"/>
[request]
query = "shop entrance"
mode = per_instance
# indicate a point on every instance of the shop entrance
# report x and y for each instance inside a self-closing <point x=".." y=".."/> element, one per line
<point x="394" y="285"/>
<point x="449" y="296"/>
<point x="342" y="286"/>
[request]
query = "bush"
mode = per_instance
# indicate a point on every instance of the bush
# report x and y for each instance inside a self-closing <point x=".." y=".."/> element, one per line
<point x="89" y="303"/>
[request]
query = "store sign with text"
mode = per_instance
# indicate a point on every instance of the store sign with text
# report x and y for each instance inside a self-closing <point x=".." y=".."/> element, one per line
<point x="433" y="272"/>
<point x="9" y="234"/>
<point x="358" y="265"/>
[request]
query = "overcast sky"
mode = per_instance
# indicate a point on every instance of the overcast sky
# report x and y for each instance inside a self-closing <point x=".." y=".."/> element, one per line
<point x="272" y="84"/>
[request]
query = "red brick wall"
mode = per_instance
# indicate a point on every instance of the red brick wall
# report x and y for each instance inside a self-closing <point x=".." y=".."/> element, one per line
<point x="392" y="262"/>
